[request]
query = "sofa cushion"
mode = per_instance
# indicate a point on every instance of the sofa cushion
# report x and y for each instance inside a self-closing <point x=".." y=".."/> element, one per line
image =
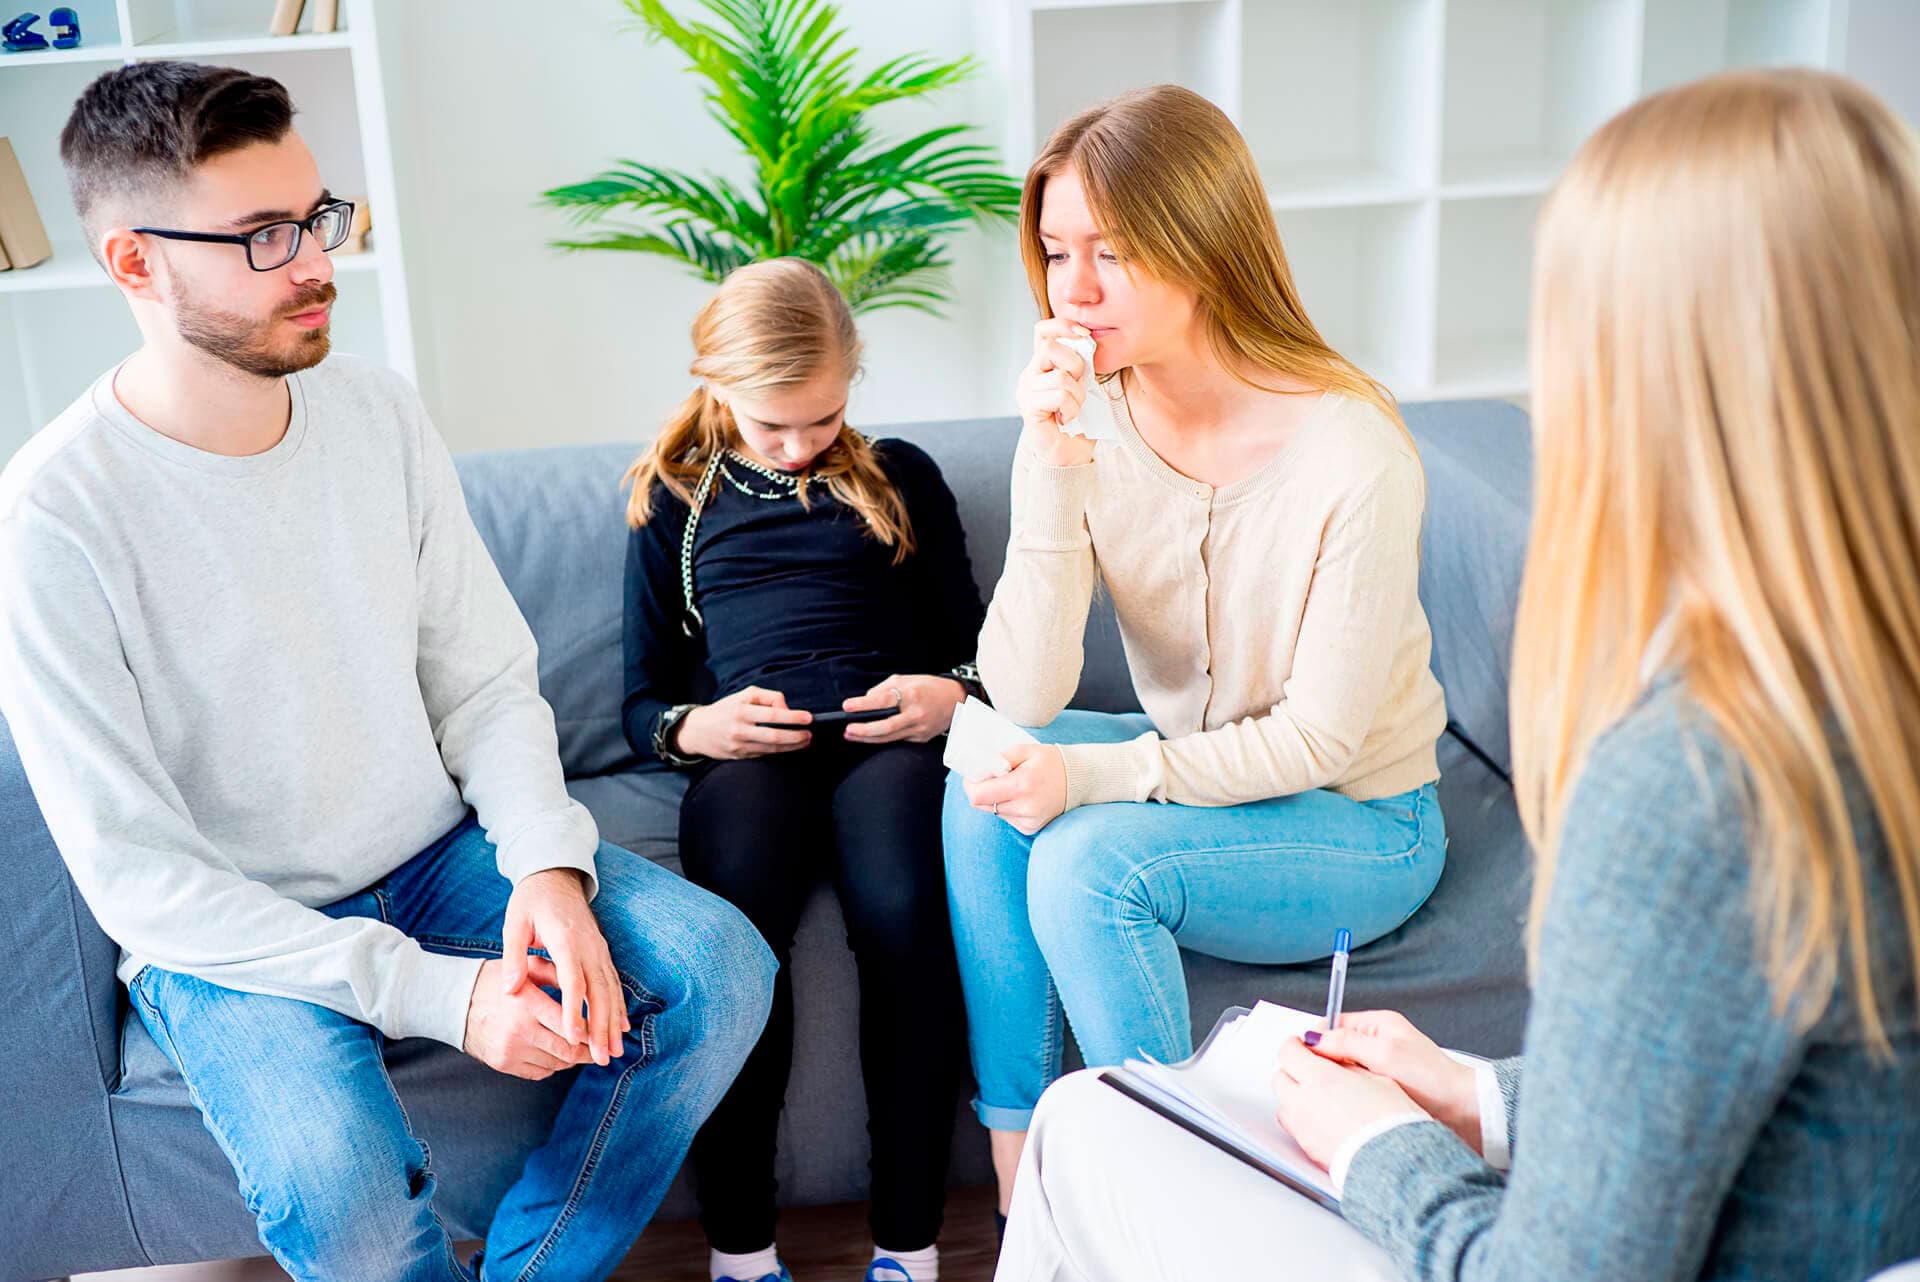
<point x="554" y="520"/>
<point x="1479" y="459"/>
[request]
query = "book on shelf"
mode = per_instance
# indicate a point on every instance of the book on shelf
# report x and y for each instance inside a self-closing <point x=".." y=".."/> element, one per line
<point x="286" y="17"/>
<point x="326" y="16"/>
<point x="23" y="236"/>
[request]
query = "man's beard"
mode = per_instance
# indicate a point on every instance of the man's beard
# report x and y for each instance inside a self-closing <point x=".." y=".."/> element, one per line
<point x="248" y="344"/>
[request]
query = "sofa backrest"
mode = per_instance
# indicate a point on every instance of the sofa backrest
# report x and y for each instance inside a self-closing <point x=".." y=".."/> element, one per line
<point x="553" y="520"/>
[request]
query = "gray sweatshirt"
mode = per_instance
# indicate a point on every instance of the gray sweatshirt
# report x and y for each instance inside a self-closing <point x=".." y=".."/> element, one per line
<point x="246" y="687"/>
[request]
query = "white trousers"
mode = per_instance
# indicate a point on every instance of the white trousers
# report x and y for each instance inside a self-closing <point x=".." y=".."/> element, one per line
<point x="1111" y="1192"/>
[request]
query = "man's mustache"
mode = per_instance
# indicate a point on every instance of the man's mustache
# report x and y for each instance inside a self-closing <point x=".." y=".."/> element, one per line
<point x="312" y="299"/>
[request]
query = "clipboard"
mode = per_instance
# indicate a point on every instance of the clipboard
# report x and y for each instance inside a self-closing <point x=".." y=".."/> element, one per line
<point x="1207" y="1096"/>
<point x="1121" y="1081"/>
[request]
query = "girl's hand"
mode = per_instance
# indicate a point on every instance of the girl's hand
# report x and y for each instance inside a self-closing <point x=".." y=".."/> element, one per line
<point x="1051" y="391"/>
<point x="925" y="706"/>
<point x="743" y="725"/>
<point x="1384" y="1042"/>
<point x="1033" y="792"/>
<point x="1323" y="1104"/>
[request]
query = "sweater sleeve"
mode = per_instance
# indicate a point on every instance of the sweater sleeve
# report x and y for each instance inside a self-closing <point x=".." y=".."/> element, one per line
<point x="661" y="660"/>
<point x="1366" y="578"/>
<point x="479" y="676"/>
<point x="947" y="605"/>
<point x="156" y="885"/>
<point x="1032" y="646"/>
<point x="1647" y="1083"/>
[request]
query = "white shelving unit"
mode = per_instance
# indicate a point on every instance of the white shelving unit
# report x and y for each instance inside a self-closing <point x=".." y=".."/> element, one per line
<point x="62" y="322"/>
<point x="1405" y="144"/>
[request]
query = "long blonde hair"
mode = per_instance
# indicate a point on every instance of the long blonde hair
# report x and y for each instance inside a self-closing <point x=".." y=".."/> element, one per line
<point x="1175" y="189"/>
<point x="1726" y="303"/>
<point x="772" y="325"/>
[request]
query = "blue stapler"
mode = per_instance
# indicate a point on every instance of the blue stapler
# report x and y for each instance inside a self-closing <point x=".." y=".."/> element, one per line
<point x="18" y="36"/>
<point x="66" y="28"/>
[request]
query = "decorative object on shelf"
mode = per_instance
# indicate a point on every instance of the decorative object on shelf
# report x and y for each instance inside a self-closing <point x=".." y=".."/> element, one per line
<point x="66" y="28"/>
<point x="356" y="241"/>
<point x="22" y="235"/>
<point x="18" y="36"/>
<point x="875" y="214"/>
<point x="286" y="17"/>
<point x="326" y="18"/>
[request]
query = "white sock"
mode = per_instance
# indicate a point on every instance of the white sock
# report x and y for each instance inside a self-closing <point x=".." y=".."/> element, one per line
<point x="747" y="1268"/>
<point x="922" y="1265"/>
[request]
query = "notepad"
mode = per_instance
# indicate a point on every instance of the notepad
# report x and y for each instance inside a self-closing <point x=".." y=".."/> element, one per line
<point x="976" y="740"/>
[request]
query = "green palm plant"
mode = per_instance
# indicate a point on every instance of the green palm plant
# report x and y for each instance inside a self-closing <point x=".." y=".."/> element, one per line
<point x="874" y="213"/>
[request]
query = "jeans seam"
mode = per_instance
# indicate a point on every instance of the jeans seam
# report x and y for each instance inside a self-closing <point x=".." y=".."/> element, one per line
<point x="591" y="1162"/>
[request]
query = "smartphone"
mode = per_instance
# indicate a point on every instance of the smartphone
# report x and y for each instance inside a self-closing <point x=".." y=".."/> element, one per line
<point x="838" y="717"/>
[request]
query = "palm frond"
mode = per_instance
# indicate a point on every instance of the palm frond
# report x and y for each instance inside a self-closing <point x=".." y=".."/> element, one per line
<point x="778" y="76"/>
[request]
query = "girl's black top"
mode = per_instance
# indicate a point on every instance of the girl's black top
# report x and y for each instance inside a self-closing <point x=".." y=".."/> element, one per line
<point x="800" y="600"/>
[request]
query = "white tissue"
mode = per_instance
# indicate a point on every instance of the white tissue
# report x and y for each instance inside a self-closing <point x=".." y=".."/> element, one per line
<point x="977" y="738"/>
<point x="1095" y="421"/>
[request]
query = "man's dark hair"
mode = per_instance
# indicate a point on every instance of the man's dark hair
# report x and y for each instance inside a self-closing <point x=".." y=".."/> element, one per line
<point x="139" y="130"/>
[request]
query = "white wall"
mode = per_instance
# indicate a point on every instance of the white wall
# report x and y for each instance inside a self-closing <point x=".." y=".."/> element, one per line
<point x="495" y="101"/>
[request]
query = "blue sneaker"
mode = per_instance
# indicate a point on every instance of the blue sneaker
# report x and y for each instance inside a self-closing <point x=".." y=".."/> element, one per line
<point x="781" y="1276"/>
<point x="886" y="1269"/>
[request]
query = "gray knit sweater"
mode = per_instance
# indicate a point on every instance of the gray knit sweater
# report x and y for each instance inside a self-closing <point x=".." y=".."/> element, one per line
<point x="1673" y="1125"/>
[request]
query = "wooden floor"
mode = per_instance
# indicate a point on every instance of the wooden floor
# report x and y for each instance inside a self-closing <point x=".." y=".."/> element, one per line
<point x="820" y="1244"/>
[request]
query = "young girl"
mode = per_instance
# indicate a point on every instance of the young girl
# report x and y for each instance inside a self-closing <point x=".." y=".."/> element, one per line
<point x="1257" y="525"/>
<point x="782" y="565"/>
<point x="1716" y="719"/>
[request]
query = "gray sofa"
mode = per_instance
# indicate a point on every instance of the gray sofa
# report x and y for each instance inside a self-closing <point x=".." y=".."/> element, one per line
<point x="106" y="1162"/>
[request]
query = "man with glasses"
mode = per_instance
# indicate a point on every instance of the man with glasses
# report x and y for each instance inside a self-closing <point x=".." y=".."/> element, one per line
<point x="283" y="721"/>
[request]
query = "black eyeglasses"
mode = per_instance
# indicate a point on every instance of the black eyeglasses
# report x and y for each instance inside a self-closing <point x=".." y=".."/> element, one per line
<point x="275" y="244"/>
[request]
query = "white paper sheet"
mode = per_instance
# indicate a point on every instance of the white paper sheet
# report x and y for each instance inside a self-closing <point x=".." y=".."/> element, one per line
<point x="977" y="738"/>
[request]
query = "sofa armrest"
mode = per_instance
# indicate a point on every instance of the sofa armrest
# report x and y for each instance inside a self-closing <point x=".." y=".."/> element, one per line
<point x="60" y="1191"/>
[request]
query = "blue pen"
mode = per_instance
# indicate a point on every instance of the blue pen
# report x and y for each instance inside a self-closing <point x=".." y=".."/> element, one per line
<point x="1337" y="982"/>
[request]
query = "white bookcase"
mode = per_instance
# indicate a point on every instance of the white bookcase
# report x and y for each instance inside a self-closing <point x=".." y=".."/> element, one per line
<point x="62" y="322"/>
<point x="1405" y="144"/>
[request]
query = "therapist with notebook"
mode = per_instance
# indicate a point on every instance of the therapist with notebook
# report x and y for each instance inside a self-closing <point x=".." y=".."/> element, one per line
<point x="1716" y="725"/>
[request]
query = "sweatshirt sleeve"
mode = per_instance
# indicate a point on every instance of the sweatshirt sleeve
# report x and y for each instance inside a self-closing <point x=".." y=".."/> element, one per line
<point x="947" y="607"/>
<point x="1366" y="578"/>
<point x="662" y="663"/>
<point x="157" y="887"/>
<point x="1033" y="643"/>
<point x="478" y="669"/>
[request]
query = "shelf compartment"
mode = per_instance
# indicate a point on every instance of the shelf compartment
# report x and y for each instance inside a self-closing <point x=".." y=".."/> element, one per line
<point x="1337" y="100"/>
<point x="1361" y="272"/>
<point x="1100" y="51"/>
<point x="1485" y="264"/>
<point x="1527" y="81"/>
<point x="1683" y="42"/>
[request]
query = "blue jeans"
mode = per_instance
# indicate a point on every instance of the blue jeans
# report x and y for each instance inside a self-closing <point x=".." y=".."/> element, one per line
<point x="299" y="1099"/>
<point x="1092" y="912"/>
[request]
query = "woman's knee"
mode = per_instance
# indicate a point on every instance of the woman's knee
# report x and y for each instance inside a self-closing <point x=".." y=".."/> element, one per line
<point x="1083" y="870"/>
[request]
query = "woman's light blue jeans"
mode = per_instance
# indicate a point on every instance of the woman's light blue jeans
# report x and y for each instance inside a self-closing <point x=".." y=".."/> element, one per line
<point x="339" y="1183"/>
<point x="1092" y="913"/>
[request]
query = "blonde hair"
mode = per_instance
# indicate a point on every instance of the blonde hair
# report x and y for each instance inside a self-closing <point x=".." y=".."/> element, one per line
<point x="771" y="326"/>
<point x="1175" y="190"/>
<point x="1726" y="303"/>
